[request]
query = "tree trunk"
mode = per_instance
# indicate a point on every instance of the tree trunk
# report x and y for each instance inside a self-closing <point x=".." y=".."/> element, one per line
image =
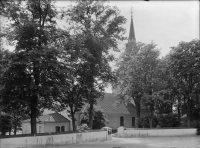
<point x="4" y="131"/>
<point x="91" y="96"/>
<point x="15" y="125"/>
<point x="151" y="122"/>
<point x="15" y="128"/>
<point x="10" y="130"/>
<point x="34" y="99"/>
<point x="188" y="118"/>
<point x="188" y="112"/>
<point x="33" y="114"/>
<point x="191" y="110"/>
<point x="171" y="108"/>
<point x="151" y="115"/>
<point x="91" y="115"/>
<point x="15" y="131"/>
<point x="0" y="123"/>
<point x="137" y="106"/>
<point x="73" y="122"/>
<point x="179" y="111"/>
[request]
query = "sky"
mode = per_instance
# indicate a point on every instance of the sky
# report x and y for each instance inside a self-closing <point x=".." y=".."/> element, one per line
<point x="166" y="23"/>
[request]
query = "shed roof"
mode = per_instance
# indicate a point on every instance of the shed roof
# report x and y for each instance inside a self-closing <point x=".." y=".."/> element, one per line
<point x="54" y="117"/>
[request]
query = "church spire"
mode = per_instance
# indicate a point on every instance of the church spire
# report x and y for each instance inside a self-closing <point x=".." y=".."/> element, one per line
<point x="132" y="32"/>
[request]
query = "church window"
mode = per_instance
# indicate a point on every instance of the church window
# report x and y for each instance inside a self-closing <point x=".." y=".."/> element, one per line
<point x="57" y="129"/>
<point x="62" y="128"/>
<point x="121" y="121"/>
<point x="133" y="121"/>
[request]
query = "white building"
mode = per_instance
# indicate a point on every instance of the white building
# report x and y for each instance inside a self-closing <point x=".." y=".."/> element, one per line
<point x="54" y="122"/>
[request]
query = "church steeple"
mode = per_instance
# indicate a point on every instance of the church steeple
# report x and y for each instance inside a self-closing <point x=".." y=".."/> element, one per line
<point x="132" y="32"/>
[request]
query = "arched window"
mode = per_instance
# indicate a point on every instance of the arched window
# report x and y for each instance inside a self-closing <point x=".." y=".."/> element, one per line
<point x="133" y="121"/>
<point x="121" y="121"/>
<point x="57" y="129"/>
<point x="62" y="129"/>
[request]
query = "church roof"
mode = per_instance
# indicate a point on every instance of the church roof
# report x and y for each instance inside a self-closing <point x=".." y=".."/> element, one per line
<point x="108" y="104"/>
<point x="54" y="117"/>
<point x="132" y="32"/>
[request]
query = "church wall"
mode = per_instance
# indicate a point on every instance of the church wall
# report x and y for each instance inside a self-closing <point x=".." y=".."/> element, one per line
<point x="114" y="120"/>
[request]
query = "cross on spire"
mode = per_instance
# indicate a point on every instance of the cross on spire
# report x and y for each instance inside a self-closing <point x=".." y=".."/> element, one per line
<point x="131" y="11"/>
<point x="132" y="32"/>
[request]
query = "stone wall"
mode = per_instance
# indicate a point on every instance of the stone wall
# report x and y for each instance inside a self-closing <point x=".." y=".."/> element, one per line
<point x="53" y="140"/>
<point x="155" y="132"/>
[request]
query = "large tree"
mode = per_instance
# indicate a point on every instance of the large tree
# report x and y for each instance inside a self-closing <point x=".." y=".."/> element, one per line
<point x="37" y="64"/>
<point x="137" y="74"/>
<point x="156" y="96"/>
<point x="4" y="64"/>
<point x="184" y="66"/>
<point x="74" y="95"/>
<point x="73" y="100"/>
<point x="100" y="119"/>
<point x="99" y="27"/>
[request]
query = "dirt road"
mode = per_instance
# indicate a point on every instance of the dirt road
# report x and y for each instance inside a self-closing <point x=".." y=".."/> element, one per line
<point x="147" y="142"/>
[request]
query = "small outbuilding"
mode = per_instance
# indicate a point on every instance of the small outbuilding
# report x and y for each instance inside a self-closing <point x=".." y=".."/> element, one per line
<point x="54" y="122"/>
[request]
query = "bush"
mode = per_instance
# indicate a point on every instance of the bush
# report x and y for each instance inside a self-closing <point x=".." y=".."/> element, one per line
<point x="198" y="128"/>
<point x="99" y="120"/>
<point x="165" y="120"/>
<point x="143" y="122"/>
<point x="170" y="120"/>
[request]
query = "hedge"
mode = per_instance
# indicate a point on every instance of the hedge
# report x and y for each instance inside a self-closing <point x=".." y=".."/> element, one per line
<point x="165" y="120"/>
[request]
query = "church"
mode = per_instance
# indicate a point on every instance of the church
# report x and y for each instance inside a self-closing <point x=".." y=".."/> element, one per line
<point x="118" y="115"/>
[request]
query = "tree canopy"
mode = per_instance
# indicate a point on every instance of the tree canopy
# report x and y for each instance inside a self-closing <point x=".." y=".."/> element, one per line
<point x="184" y="67"/>
<point x="99" y="28"/>
<point x="56" y="68"/>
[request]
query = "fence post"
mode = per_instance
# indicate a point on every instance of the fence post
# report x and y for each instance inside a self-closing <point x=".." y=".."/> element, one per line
<point x="120" y="131"/>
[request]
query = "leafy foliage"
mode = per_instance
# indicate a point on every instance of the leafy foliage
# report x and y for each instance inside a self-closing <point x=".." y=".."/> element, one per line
<point x="5" y="124"/>
<point x="198" y="129"/>
<point x="140" y="76"/>
<point x="4" y="65"/>
<point x="37" y="68"/>
<point x="170" y="120"/>
<point x="184" y="67"/>
<point x="163" y="120"/>
<point x="73" y="101"/>
<point x="54" y="68"/>
<point x="99" y="27"/>
<point x="143" y="122"/>
<point x="99" y="120"/>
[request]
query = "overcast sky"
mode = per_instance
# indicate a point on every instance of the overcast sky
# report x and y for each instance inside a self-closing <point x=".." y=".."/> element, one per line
<point x="164" y="22"/>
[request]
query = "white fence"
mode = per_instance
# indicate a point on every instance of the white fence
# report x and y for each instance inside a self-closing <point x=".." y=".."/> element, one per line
<point x="155" y="132"/>
<point x="53" y="140"/>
